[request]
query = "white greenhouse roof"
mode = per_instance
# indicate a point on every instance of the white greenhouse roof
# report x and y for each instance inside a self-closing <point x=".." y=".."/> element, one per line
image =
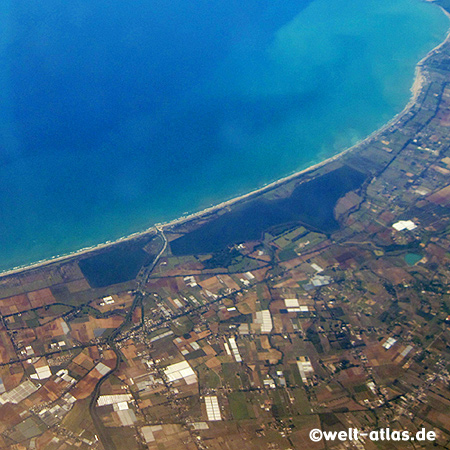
<point x="212" y="408"/>
<point x="179" y="371"/>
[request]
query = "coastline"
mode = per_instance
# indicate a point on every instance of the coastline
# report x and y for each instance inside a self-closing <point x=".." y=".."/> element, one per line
<point x="419" y="82"/>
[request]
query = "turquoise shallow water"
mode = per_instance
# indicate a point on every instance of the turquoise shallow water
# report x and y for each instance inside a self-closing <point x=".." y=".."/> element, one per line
<point x="412" y="258"/>
<point x="117" y="115"/>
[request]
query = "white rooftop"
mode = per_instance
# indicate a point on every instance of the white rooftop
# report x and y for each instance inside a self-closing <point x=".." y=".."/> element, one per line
<point x="65" y="328"/>
<point x="19" y="393"/>
<point x="291" y="303"/>
<point x="43" y="372"/>
<point x="102" y="368"/>
<point x="148" y="434"/>
<point x="112" y="399"/>
<point x="181" y="370"/>
<point x="404" y="225"/>
<point x="389" y="343"/>
<point x="265" y="319"/>
<point x="122" y="406"/>
<point x="406" y="351"/>
<point x="212" y="408"/>
<point x="234" y="349"/>
<point x="305" y="367"/>
<point x="127" y="417"/>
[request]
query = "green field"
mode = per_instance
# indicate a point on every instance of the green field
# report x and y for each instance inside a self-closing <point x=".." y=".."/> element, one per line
<point x="238" y="406"/>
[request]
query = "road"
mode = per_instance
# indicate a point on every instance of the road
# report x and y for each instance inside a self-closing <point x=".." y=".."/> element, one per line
<point x="101" y="430"/>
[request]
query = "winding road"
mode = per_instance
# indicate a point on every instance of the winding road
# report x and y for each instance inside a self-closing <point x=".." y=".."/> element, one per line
<point x="102" y="431"/>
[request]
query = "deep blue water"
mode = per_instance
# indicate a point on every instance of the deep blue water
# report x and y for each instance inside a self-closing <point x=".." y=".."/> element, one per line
<point x="116" y="115"/>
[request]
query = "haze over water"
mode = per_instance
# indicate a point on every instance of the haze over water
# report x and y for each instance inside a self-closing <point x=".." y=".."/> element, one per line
<point x="116" y="115"/>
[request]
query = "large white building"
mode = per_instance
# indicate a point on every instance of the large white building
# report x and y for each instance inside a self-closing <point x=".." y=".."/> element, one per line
<point x="181" y="371"/>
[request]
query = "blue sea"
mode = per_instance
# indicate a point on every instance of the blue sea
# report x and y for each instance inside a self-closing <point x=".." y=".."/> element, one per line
<point x="116" y="115"/>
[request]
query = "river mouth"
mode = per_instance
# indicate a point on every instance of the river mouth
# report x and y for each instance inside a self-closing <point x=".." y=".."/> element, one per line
<point x="109" y="128"/>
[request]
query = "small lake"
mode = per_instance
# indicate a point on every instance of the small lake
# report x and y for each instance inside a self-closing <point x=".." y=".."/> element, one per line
<point x="412" y="258"/>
